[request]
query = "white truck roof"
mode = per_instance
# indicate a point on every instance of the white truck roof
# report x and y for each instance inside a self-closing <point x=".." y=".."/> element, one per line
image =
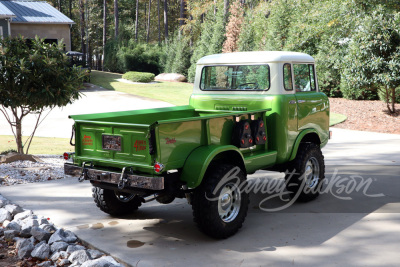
<point x="255" y="57"/>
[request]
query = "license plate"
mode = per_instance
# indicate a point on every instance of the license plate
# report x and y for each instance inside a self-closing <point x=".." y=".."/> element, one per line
<point x="112" y="142"/>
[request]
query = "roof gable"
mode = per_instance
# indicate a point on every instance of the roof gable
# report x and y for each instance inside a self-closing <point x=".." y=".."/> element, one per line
<point x="35" y="12"/>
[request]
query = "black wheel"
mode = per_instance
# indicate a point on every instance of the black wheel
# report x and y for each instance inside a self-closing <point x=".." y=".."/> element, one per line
<point x="305" y="173"/>
<point x="115" y="203"/>
<point x="219" y="205"/>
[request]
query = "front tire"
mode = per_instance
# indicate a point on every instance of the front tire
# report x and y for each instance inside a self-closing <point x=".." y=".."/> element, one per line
<point x="219" y="205"/>
<point x="115" y="203"/>
<point x="305" y="173"/>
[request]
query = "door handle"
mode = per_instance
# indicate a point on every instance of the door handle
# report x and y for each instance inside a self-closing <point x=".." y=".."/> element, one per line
<point x="301" y="101"/>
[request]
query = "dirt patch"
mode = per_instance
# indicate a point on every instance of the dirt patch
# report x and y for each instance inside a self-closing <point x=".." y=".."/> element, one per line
<point x="370" y="115"/>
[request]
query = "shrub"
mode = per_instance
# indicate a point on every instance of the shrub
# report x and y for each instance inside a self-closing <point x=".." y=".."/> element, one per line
<point x="140" y="77"/>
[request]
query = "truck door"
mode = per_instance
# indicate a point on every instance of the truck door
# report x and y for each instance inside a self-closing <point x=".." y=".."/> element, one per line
<point x="309" y="101"/>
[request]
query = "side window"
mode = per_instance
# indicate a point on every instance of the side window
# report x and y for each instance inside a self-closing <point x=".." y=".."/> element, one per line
<point x="304" y="79"/>
<point x="287" y="77"/>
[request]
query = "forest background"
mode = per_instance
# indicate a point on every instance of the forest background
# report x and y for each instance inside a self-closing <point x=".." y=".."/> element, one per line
<point x="356" y="43"/>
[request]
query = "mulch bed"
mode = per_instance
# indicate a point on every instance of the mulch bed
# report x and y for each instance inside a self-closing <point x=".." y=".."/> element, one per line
<point x="366" y="115"/>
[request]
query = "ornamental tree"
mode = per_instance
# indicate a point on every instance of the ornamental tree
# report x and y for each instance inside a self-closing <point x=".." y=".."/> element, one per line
<point x="373" y="59"/>
<point x="35" y="77"/>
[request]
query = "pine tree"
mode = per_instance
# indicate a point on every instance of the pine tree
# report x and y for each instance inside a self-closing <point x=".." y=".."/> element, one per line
<point x="233" y="28"/>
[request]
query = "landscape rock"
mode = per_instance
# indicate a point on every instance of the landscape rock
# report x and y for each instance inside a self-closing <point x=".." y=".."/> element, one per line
<point x="40" y="234"/>
<point x="45" y="264"/>
<point x="170" y="77"/>
<point x="61" y="235"/>
<point x="58" y="246"/>
<point x="23" y="215"/>
<point x="41" y="251"/>
<point x="24" y="247"/>
<point x="43" y="221"/>
<point x="59" y="255"/>
<point x="73" y="248"/>
<point x="94" y="253"/>
<point x="27" y="225"/>
<point x="13" y="209"/>
<point x="79" y="257"/>
<point x="106" y="261"/>
<point x="3" y="202"/>
<point x="10" y="234"/>
<point x="6" y="222"/>
<point x="13" y="226"/>
<point x="63" y="262"/>
<point x="5" y="215"/>
<point x="1" y="231"/>
<point x="48" y="227"/>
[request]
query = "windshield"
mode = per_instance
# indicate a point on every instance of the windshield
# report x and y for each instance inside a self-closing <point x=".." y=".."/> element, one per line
<point x="237" y="77"/>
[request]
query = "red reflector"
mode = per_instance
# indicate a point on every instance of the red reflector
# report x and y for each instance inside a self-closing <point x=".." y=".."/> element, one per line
<point x="158" y="167"/>
<point x="250" y="141"/>
<point x="264" y="138"/>
<point x="66" y="156"/>
<point x="261" y="124"/>
<point x="243" y="141"/>
<point x="258" y="138"/>
<point x="246" y="126"/>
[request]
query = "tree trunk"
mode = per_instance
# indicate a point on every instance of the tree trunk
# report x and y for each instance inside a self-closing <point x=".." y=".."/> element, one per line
<point x="116" y="17"/>
<point x="148" y="23"/>
<point x="226" y="9"/>
<point x="59" y="6"/>
<point x="182" y="13"/>
<point x="166" y="20"/>
<point x="18" y="128"/>
<point x="137" y="20"/>
<point x="104" y="31"/>
<point x="159" y="24"/>
<point x="70" y="9"/>
<point x="82" y="19"/>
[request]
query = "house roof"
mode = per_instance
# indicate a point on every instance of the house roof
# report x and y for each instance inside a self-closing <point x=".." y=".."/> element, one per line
<point x="33" y="12"/>
<point x="5" y="12"/>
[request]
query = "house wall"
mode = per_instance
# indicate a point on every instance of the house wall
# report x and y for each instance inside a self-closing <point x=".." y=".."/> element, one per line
<point x="4" y="25"/>
<point x="47" y="31"/>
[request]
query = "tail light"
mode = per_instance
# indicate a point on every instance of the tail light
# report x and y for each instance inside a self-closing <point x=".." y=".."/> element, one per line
<point x="158" y="167"/>
<point x="68" y="155"/>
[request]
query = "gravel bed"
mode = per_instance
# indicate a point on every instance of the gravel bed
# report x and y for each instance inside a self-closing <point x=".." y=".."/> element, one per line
<point x="22" y="172"/>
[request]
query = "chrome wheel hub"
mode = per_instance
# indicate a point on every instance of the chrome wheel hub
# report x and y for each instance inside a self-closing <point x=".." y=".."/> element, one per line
<point x="229" y="202"/>
<point x="311" y="173"/>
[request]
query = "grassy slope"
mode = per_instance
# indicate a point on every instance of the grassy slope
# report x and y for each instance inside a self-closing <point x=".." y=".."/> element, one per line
<point x="40" y="145"/>
<point x="336" y="118"/>
<point x="171" y="92"/>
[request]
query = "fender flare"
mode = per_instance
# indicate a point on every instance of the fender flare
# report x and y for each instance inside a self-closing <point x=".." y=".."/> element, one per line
<point x="299" y="139"/>
<point x="198" y="161"/>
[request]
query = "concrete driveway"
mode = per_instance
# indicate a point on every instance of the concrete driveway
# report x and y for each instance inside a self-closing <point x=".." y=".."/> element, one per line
<point x="94" y="100"/>
<point x="354" y="223"/>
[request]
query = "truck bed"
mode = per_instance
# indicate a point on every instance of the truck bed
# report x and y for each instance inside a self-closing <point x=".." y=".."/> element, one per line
<point x="138" y="138"/>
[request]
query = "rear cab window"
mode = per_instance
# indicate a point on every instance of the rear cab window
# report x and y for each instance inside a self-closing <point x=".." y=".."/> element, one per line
<point x="235" y="78"/>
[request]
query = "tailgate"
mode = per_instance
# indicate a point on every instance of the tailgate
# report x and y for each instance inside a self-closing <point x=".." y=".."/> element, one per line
<point x="113" y="144"/>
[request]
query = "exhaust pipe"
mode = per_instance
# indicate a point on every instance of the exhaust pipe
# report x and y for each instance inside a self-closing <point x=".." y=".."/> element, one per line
<point x="149" y="198"/>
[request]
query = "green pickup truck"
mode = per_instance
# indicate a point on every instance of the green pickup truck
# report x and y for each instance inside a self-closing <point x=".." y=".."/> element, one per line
<point x="249" y="111"/>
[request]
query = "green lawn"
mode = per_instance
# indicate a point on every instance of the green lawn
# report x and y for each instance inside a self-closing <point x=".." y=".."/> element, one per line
<point x="171" y="92"/>
<point x="40" y="145"/>
<point x="336" y="118"/>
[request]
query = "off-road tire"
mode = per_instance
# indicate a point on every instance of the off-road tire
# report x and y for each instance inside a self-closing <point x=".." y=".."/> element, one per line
<point x="206" y="212"/>
<point x="309" y="158"/>
<point x="107" y="201"/>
